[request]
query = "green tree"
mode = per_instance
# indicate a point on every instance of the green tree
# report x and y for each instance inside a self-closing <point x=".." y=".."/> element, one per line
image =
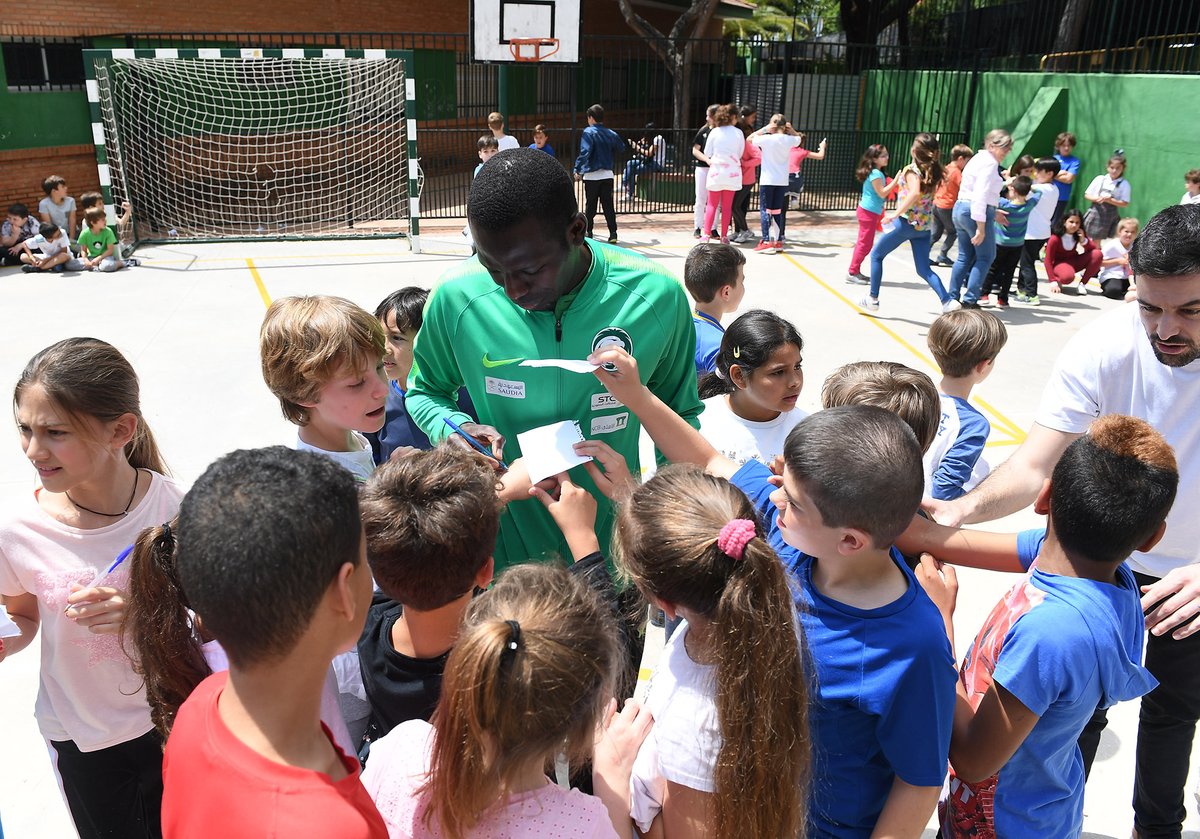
<point x="783" y="20"/>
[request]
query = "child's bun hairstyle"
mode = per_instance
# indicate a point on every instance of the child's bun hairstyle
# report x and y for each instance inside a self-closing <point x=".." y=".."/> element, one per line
<point x="676" y="540"/>
<point x="431" y="521"/>
<point x="869" y="161"/>
<point x="861" y="467"/>
<point x="87" y="377"/>
<point x="908" y="393"/>
<point x="748" y="344"/>
<point x="1111" y="489"/>
<point x="156" y="631"/>
<point x="531" y="672"/>
<point x="306" y="342"/>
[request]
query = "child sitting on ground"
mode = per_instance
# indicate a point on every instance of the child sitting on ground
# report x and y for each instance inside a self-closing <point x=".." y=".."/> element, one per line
<point x="964" y="344"/>
<point x="1064" y="641"/>
<point x="1070" y="252"/>
<point x="883" y="677"/>
<point x="531" y="676"/>
<point x="57" y="207"/>
<point x="272" y="558"/>
<point x="750" y="400"/>
<point x="1010" y="240"/>
<point x="55" y="250"/>
<point x="715" y="276"/>
<point x="1114" y="270"/>
<point x="322" y="357"/>
<point x="95" y="199"/>
<point x="401" y="314"/>
<point x="541" y="140"/>
<point x="907" y="393"/>
<point x="1037" y="232"/>
<point x="18" y="226"/>
<point x="98" y="249"/>
<point x="1191" y="184"/>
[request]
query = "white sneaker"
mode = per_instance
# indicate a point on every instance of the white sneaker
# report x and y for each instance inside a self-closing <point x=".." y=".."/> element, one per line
<point x="1083" y="289"/>
<point x="951" y="306"/>
<point x="871" y="304"/>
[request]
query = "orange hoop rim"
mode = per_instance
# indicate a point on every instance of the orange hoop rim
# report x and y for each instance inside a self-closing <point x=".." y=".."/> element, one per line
<point x="515" y="44"/>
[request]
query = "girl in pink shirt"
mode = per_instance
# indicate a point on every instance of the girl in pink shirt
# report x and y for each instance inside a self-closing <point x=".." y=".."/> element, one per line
<point x="533" y="668"/>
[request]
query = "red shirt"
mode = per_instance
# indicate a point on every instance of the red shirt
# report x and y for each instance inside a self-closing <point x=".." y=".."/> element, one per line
<point x="216" y="785"/>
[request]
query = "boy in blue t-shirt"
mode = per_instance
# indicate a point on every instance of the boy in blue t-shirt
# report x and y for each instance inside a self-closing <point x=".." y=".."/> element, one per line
<point x="964" y="345"/>
<point x="1064" y="641"/>
<point x="1064" y="153"/>
<point x="883" y="674"/>
<point x="714" y="275"/>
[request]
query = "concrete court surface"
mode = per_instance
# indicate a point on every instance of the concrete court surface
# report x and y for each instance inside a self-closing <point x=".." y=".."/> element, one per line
<point x="188" y="319"/>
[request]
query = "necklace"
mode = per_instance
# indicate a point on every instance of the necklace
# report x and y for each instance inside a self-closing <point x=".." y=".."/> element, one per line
<point x="124" y="512"/>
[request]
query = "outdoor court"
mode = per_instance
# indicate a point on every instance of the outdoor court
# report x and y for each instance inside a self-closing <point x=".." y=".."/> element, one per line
<point x="188" y="320"/>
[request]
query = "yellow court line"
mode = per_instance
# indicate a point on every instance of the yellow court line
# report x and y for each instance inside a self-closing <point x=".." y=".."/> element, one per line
<point x="1007" y="425"/>
<point x="258" y="282"/>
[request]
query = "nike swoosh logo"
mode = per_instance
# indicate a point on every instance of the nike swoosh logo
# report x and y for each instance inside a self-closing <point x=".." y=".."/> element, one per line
<point x="487" y="362"/>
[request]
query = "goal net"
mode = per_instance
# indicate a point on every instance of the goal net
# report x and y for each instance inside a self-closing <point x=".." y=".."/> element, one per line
<point x="255" y="146"/>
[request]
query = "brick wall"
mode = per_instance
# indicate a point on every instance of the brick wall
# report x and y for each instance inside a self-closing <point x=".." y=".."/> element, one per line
<point x="23" y="170"/>
<point x="70" y="18"/>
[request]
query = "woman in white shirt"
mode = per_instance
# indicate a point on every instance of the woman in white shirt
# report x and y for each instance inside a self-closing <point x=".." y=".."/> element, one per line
<point x="723" y="151"/>
<point x="750" y="402"/>
<point x="974" y="217"/>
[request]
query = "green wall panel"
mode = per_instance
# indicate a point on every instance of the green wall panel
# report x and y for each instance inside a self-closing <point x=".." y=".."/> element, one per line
<point x="37" y="119"/>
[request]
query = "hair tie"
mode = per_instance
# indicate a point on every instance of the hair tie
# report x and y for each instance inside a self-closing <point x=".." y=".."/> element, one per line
<point x="514" y="638"/>
<point x="167" y="536"/>
<point x="734" y="537"/>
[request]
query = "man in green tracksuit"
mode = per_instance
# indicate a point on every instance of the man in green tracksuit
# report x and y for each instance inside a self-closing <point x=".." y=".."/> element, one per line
<point x="538" y="289"/>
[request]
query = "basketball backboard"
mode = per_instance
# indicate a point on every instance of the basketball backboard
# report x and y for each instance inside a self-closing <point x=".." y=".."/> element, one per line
<point x="496" y="23"/>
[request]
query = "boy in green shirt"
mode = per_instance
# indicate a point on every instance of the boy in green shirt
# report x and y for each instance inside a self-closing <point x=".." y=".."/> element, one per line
<point x="539" y="290"/>
<point x="97" y="245"/>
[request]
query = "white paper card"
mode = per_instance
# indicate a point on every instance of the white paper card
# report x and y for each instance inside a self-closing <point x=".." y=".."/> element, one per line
<point x="569" y="364"/>
<point x="550" y="449"/>
<point x="8" y="629"/>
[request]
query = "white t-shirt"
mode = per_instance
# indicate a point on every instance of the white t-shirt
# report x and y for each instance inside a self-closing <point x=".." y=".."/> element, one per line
<point x="88" y="691"/>
<point x="682" y="746"/>
<point x="660" y="150"/>
<point x="508" y="141"/>
<point x="398" y="768"/>
<point x="1109" y="367"/>
<point x="1188" y="198"/>
<point x="1104" y="185"/>
<point x="775" y="151"/>
<point x="1040" y="216"/>
<point x="741" y="439"/>
<point x="1113" y="250"/>
<point x="361" y="463"/>
<point x="50" y="247"/>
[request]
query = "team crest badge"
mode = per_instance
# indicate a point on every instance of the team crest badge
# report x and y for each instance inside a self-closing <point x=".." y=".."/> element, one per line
<point x="612" y="336"/>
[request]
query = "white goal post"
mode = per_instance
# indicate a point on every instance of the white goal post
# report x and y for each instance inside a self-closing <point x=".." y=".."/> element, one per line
<point x="244" y="144"/>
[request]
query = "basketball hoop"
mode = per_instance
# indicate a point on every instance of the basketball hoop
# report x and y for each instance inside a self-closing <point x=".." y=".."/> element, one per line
<point x="531" y="49"/>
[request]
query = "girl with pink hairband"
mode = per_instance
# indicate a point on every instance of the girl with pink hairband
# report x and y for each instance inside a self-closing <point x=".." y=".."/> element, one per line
<point x="729" y="751"/>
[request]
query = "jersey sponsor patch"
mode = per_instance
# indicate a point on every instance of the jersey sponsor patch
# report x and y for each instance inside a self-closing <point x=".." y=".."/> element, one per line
<point x="605" y="401"/>
<point x="612" y="336"/>
<point x="610" y="423"/>
<point x="504" y="387"/>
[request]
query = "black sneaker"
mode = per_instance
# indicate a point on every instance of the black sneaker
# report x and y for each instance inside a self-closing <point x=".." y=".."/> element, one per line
<point x="612" y="238"/>
<point x="967" y="305"/>
<point x="714" y="233"/>
<point x="696" y="233"/>
<point x="944" y="262"/>
<point x="29" y="269"/>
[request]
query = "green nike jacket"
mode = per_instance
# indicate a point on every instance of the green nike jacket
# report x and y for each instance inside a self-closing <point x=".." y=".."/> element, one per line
<point x="473" y="336"/>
